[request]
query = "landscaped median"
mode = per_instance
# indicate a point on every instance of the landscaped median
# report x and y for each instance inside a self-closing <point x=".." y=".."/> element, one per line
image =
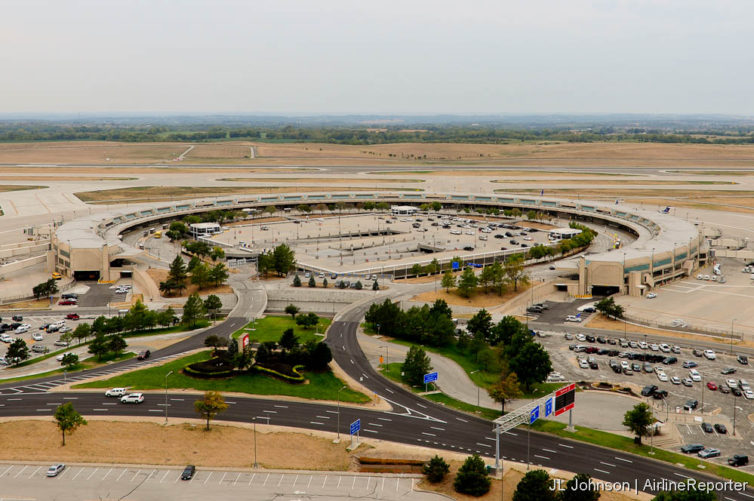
<point x="627" y="444"/>
<point x="321" y="385"/>
<point x="269" y="328"/>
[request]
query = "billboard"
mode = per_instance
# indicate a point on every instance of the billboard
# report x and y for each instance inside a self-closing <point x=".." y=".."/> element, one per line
<point x="564" y="399"/>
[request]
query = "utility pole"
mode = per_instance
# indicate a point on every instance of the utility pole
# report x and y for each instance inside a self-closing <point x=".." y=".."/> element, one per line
<point x="337" y="440"/>
<point x="166" y="396"/>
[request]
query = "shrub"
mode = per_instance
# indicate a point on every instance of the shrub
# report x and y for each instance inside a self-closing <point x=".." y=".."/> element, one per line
<point x="436" y="469"/>
<point x="472" y="477"/>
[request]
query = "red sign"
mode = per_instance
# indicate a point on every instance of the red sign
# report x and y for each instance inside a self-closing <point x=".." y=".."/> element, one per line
<point x="564" y="409"/>
<point x="244" y="341"/>
<point x="566" y="389"/>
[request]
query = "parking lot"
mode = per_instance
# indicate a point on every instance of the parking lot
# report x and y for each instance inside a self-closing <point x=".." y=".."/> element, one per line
<point x="713" y="406"/>
<point x="29" y="481"/>
<point x="394" y="240"/>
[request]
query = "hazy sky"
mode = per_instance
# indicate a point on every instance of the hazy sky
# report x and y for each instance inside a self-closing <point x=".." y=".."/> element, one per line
<point x="353" y="56"/>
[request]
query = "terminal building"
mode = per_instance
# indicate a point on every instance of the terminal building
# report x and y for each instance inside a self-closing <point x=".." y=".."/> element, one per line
<point x="665" y="247"/>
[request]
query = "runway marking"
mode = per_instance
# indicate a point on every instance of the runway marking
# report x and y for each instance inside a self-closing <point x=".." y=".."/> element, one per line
<point x="602" y="471"/>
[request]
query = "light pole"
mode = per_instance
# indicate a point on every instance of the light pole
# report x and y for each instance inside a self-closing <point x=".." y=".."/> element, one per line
<point x="731" y="335"/>
<point x="166" y="396"/>
<point x="337" y="440"/>
<point x="477" y="388"/>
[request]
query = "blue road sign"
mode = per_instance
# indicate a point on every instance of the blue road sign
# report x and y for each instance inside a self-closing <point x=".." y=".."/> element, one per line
<point x="355" y="426"/>
<point x="430" y="378"/>
<point x="534" y="415"/>
<point x="455" y="265"/>
<point x="548" y="407"/>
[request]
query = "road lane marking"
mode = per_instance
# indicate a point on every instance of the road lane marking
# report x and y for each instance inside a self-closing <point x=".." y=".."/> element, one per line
<point x="155" y="410"/>
<point x="422" y="406"/>
<point x="428" y="434"/>
<point x="101" y="410"/>
<point x="177" y="399"/>
<point x="43" y="410"/>
<point x="681" y="475"/>
<point x="316" y="422"/>
<point x="542" y="457"/>
<point x="270" y="412"/>
<point x="462" y="420"/>
<point x="374" y="424"/>
<point x="566" y="446"/>
<point x="384" y="419"/>
<point x="281" y="406"/>
<point x="388" y="389"/>
<point x="550" y="450"/>
<point x="484" y="445"/>
<point x="607" y="464"/>
<point x="323" y="417"/>
<point x="622" y="459"/>
<point x="602" y="471"/>
<point x="436" y="428"/>
<point x="370" y="431"/>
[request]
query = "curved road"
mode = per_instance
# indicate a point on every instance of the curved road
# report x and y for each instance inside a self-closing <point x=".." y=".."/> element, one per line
<point x="412" y="420"/>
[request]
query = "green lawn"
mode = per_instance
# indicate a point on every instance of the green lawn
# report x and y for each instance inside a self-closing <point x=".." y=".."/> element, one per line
<point x="321" y="386"/>
<point x="270" y="328"/>
<point x="393" y="371"/>
<point x="627" y="444"/>
<point x="87" y="363"/>
<point x="476" y="371"/>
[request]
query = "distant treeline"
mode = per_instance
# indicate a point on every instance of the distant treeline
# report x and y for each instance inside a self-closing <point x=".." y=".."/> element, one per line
<point x="36" y="131"/>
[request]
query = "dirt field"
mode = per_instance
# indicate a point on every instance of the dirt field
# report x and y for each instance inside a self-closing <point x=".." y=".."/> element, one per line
<point x="609" y="182"/>
<point x="63" y="177"/>
<point x="523" y="154"/>
<point x="478" y="300"/>
<point x="161" y="275"/>
<point x="498" y="172"/>
<point x="317" y="180"/>
<point x="152" y="193"/>
<point x="150" y="443"/>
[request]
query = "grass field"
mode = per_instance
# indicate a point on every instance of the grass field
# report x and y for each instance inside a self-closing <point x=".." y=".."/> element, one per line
<point x="87" y="363"/>
<point x="535" y="154"/>
<point x="271" y="327"/>
<point x="153" y="193"/>
<point x="18" y="187"/>
<point x="627" y="444"/>
<point x="321" y="386"/>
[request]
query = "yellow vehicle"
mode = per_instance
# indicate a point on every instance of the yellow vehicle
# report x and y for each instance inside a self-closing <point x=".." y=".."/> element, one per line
<point x="158" y="234"/>
<point x="56" y="275"/>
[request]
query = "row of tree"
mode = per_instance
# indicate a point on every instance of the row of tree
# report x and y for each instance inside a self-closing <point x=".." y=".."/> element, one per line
<point x="497" y="277"/>
<point x="279" y="260"/>
<point x="197" y="272"/>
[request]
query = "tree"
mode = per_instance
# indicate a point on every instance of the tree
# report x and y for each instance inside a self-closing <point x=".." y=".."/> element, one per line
<point x="296" y="281"/>
<point x="283" y="259"/>
<point x="375" y="286"/>
<point x="487" y="278"/>
<point x="481" y="324"/>
<point x="312" y="281"/>
<point x="416" y="269"/>
<point x="609" y="308"/>
<point x="507" y="388"/>
<point x="200" y="276"/>
<point x="638" y="420"/>
<point x="69" y="360"/>
<point x="47" y="288"/>
<point x="467" y="284"/>
<point x="448" y="280"/>
<point x="579" y="488"/>
<point x="472" y="477"/>
<point x="530" y="362"/>
<point x="116" y="344"/>
<point x="193" y="310"/>
<point x="358" y="285"/>
<point x="218" y="274"/>
<point x="210" y="406"/>
<point x="215" y="342"/>
<point x="307" y="321"/>
<point x="288" y="340"/>
<point x="436" y="469"/>
<point x="514" y="271"/>
<point x="324" y="283"/>
<point x="217" y="253"/>
<point x="292" y="310"/>
<point x="193" y="263"/>
<point x="18" y="351"/>
<point x="213" y="304"/>
<point x="99" y="346"/>
<point x="535" y="486"/>
<point x="177" y="273"/>
<point x="319" y="357"/>
<point x="68" y="419"/>
<point x="416" y="365"/>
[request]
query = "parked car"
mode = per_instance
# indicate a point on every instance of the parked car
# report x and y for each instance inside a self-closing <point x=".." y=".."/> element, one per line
<point x="188" y="472"/>
<point x="651" y="295"/>
<point x="649" y="390"/>
<point x="707" y="428"/>
<point x="692" y="448"/>
<point x="710" y="354"/>
<point x="743" y="359"/>
<point x="712" y="386"/>
<point x="572" y="318"/>
<point x="709" y="453"/>
<point x="720" y="428"/>
<point x="660" y="394"/>
<point x="738" y="460"/>
<point x="67" y="302"/>
<point x="689" y="364"/>
<point x="18" y="318"/>
<point x="728" y="370"/>
<point x="55" y="470"/>
<point x="690" y="405"/>
<point x="675" y="380"/>
<point x="37" y="336"/>
<point x="72" y="316"/>
<point x="60" y="342"/>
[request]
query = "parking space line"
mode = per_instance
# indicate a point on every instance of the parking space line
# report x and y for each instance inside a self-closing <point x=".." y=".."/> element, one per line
<point x="265" y="480"/>
<point x="325" y="481"/>
<point x="339" y="479"/>
<point x="135" y="475"/>
<point x="20" y="472"/>
<point x="77" y="474"/>
<point x="223" y="479"/>
<point x="281" y="480"/>
<point x="35" y="471"/>
<point x="207" y="479"/>
<point x="124" y="472"/>
<point x="252" y="478"/>
<point x="236" y="480"/>
<point x="310" y="481"/>
<point x="95" y="471"/>
<point x="164" y="476"/>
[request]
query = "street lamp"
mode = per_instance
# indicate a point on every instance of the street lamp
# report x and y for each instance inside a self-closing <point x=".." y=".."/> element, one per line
<point x="731" y="335"/>
<point x="166" y="396"/>
<point x="254" y="420"/>
<point x="337" y="440"/>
